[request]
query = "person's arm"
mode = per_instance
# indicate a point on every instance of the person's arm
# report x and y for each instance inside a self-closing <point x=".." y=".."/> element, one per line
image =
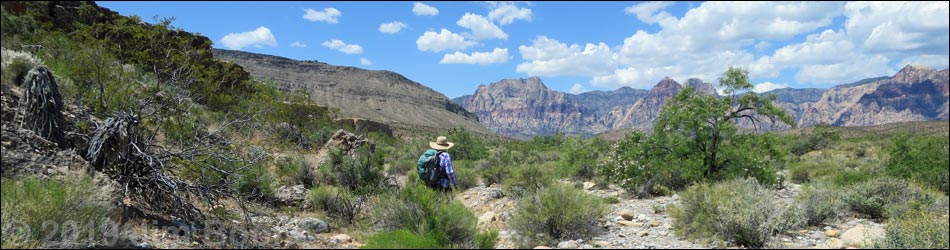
<point x="447" y="160"/>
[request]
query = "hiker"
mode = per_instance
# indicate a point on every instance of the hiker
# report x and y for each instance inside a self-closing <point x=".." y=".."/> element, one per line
<point x="435" y="166"/>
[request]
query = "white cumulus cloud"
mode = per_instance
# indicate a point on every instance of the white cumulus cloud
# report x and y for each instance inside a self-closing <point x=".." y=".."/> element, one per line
<point x="328" y="15"/>
<point x="298" y="44"/>
<point x="506" y="13"/>
<point x="257" y="37"/>
<point x="550" y="57"/>
<point x="392" y="27"/>
<point x="421" y="9"/>
<point x="444" y="40"/>
<point x="577" y="88"/>
<point x="481" y="28"/>
<point x="651" y="12"/>
<point x="364" y="61"/>
<point x="767" y="86"/>
<point x="498" y="55"/>
<point x="343" y="47"/>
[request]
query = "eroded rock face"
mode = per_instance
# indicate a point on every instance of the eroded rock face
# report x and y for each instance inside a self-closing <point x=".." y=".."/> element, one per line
<point x="642" y="114"/>
<point x="913" y="94"/>
<point x="383" y="96"/>
<point x="526" y="107"/>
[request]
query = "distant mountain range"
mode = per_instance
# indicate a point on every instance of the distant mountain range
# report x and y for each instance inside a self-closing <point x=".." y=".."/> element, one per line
<point x="526" y="107"/>
<point x="378" y="95"/>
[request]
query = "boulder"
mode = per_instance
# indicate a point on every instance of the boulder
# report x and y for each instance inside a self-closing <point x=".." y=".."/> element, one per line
<point x="568" y="245"/>
<point x="291" y="195"/>
<point x="315" y="225"/>
<point x="341" y="239"/>
<point x="626" y="214"/>
<point x="832" y="233"/>
<point x="861" y="236"/>
<point x="832" y="243"/>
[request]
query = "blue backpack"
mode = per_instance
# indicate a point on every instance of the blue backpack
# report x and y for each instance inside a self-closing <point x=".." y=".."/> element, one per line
<point x="428" y="167"/>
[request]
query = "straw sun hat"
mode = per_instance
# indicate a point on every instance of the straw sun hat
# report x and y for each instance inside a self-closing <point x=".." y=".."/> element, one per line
<point x="441" y="143"/>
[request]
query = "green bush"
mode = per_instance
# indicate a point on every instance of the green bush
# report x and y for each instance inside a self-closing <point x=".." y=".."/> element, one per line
<point x="79" y="217"/>
<point x="361" y="174"/>
<point x="850" y="177"/>
<point x="800" y="175"/>
<point x="492" y="173"/>
<point x="822" y="136"/>
<point x="454" y="224"/>
<point x="400" y="239"/>
<point x="294" y="171"/>
<point x="916" y="230"/>
<point x="526" y="179"/>
<point x="888" y="197"/>
<point x="467" y="146"/>
<point x="486" y="239"/>
<point x="428" y="213"/>
<point x="556" y="212"/>
<point x="255" y="182"/>
<point x="819" y="204"/>
<point x="466" y="176"/>
<point x="739" y="211"/>
<point x="339" y="203"/>
<point x="925" y="159"/>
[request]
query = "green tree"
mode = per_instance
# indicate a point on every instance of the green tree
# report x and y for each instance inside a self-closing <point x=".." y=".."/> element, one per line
<point x="697" y="137"/>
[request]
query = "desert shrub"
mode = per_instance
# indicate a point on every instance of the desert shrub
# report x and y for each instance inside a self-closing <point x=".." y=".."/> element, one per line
<point x="255" y="182"/>
<point x="916" y="230"/>
<point x="401" y="167"/>
<point x="467" y="146"/>
<point x="821" y="136"/>
<point x="486" y="239"/>
<point x="454" y="224"/>
<point x="55" y="213"/>
<point x="16" y="64"/>
<point x="527" y="179"/>
<point x="360" y="173"/>
<point x="556" y="212"/>
<point x="466" y="177"/>
<point x="888" y="197"/>
<point x="492" y="173"/>
<point x="428" y="213"/>
<point x="400" y="239"/>
<point x="850" y="177"/>
<point x="339" y="203"/>
<point x="738" y="211"/>
<point x="799" y="175"/>
<point x="818" y="204"/>
<point x="924" y="159"/>
<point x="294" y="171"/>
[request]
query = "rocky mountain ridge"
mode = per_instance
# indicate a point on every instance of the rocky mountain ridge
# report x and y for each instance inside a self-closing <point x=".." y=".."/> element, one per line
<point x="913" y="94"/>
<point x="378" y="95"/>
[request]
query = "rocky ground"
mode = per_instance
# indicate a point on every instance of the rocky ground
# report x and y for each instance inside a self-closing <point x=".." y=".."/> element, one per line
<point x="645" y="223"/>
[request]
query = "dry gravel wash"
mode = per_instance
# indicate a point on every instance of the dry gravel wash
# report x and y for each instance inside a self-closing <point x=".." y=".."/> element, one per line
<point x="649" y="224"/>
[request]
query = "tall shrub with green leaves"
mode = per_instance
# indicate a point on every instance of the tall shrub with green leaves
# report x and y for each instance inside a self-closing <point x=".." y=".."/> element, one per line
<point x="696" y="137"/>
<point x="922" y="158"/>
<point x="467" y="146"/>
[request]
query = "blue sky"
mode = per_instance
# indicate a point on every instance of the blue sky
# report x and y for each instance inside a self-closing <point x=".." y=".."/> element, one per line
<point x="453" y="47"/>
